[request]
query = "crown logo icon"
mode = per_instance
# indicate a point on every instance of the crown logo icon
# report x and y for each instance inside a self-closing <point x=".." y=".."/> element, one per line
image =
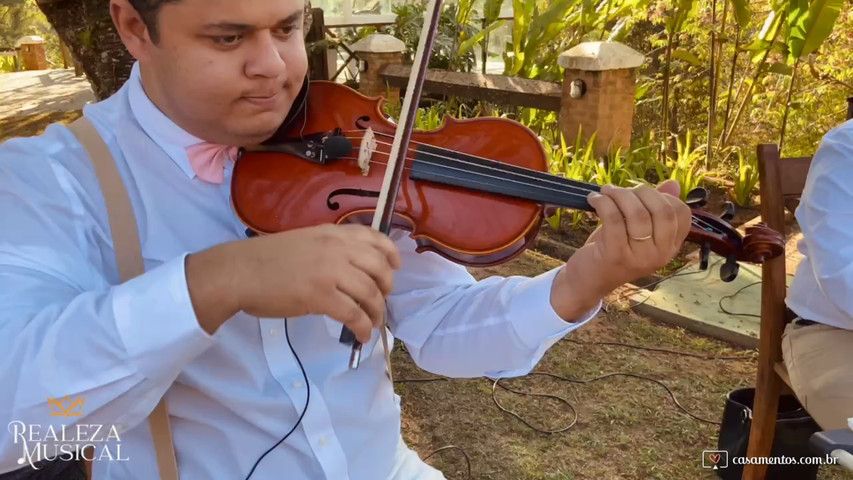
<point x="65" y="407"/>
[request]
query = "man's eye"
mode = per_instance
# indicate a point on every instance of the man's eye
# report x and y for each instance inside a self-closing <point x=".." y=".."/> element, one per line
<point x="227" y="40"/>
<point x="285" y="31"/>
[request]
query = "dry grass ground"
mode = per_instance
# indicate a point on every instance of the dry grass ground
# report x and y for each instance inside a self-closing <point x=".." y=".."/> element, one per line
<point x="30" y="125"/>
<point x="626" y="428"/>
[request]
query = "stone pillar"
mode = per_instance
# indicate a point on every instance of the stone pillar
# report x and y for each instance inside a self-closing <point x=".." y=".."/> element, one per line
<point x="32" y="53"/>
<point x="598" y="94"/>
<point x="376" y="52"/>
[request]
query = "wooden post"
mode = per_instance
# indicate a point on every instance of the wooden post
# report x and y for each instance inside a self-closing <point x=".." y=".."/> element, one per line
<point x="33" y="56"/>
<point x="377" y="51"/>
<point x="598" y="94"/>
<point x="850" y="108"/>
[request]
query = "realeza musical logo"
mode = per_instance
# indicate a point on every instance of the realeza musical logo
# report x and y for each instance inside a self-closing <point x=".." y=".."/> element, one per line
<point x="74" y="441"/>
<point x="74" y="409"/>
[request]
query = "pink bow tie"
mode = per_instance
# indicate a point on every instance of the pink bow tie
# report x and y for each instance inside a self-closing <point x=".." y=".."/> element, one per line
<point x="208" y="160"/>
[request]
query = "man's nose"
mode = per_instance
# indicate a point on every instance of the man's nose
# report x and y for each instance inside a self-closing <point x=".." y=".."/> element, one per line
<point x="266" y="60"/>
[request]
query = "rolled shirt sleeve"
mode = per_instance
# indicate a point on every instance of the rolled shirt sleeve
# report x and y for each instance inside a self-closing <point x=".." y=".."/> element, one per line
<point x="154" y="313"/>
<point x="456" y="326"/>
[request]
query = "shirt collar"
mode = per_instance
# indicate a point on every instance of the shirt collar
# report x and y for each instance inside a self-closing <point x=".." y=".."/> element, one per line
<point x="160" y="128"/>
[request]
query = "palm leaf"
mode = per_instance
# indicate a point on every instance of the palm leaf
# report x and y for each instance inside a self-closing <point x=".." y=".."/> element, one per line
<point x="811" y="27"/>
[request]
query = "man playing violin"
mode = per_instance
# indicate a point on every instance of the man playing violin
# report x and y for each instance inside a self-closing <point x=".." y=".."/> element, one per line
<point x="816" y="344"/>
<point x="222" y="324"/>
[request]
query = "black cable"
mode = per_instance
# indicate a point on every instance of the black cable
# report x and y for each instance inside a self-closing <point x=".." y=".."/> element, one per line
<point x="661" y="350"/>
<point x="732" y="296"/>
<point x="435" y="379"/>
<point x="467" y="458"/>
<point x="307" y="401"/>
<point x="572" y="380"/>
<point x="631" y="290"/>
<point x="419" y="380"/>
<point x="547" y="395"/>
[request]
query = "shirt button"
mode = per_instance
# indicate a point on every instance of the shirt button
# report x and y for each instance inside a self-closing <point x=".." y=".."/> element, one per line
<point x="273" y="332"/>
<point x="297" y="384"/>
<point x="323" y="441"/>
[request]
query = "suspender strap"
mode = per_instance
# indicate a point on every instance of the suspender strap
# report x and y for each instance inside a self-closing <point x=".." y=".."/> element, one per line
<point x="129" y="259"/>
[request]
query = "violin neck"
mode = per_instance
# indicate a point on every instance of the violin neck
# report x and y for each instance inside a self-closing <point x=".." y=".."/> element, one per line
<point x="438" y="165"/>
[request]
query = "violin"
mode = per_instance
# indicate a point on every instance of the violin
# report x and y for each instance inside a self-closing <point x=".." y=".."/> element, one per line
<point x="474" y="191"/>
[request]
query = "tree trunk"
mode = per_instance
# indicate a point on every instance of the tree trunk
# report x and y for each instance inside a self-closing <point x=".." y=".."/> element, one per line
<point x="86" y="27"/>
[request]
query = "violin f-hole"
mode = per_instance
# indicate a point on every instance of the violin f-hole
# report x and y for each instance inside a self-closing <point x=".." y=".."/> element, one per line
<point x="363" y="122"/>
<point x="358" y="192"/>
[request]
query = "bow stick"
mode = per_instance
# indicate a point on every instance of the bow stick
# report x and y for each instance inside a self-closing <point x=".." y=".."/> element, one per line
<point x="396" y="161"/>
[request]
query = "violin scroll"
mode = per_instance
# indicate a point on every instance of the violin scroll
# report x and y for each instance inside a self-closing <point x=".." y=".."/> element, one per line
<point x="762" y="243"/>
<point x="714" y="234"/>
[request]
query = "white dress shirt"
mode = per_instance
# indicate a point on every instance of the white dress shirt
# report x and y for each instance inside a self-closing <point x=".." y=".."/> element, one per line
<point x="822" y="288"/>
<point x="67" y="327"/>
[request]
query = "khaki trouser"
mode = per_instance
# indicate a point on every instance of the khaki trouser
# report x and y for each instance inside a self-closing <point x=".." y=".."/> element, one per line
<point x="820" y="363"/>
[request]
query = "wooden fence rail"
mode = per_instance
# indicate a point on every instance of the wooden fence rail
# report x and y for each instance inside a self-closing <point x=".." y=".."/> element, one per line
<point x="498" y="89"/>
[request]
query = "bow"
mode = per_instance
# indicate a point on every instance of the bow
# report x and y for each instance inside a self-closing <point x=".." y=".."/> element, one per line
<point x="396" y="160"/>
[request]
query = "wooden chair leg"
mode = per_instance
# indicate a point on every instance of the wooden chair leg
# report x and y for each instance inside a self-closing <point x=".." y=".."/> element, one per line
<point x="765" y="410"/>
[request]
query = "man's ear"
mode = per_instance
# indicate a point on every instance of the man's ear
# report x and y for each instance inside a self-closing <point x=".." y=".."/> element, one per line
<point x="131" y="28"/>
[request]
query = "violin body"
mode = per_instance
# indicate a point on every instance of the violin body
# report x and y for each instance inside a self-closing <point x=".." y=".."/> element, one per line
<point x="274" y="191"/>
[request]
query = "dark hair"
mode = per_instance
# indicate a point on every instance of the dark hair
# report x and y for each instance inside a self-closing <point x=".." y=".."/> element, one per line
<point x="148" y="10"/>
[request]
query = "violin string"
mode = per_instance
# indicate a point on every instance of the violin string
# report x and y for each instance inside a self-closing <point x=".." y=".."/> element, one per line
<point x="539" y="180"/>
<point x="694" y="220"/>
<point x="486" y="175"/>
<point x="536" y="181"/>
<point x="417" y="143"/>
<point x="577" y="185"/>
<point x="561" y="181"/>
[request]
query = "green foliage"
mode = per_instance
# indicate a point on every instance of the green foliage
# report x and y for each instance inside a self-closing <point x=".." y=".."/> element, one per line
<point x="579" y="162"/>
<point x="686" y="167"/>
<point x="562" y="164"/>
<point x="456" y="36"/>
<point x="746" y="179"/>
<point x="7" y="64"/>
<point x="742" y="12"/>
<point x="810" y="25"/>
<point x="430" y="118"/>
<point x="682" y="11"/>
<point x="542" y="30"/>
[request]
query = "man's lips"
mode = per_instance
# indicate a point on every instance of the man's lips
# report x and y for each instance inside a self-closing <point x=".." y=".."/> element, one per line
<point x="263" y="100"/>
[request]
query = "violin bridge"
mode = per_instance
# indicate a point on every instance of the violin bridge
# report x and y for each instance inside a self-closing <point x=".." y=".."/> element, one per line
<point x="365" y="151"/>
